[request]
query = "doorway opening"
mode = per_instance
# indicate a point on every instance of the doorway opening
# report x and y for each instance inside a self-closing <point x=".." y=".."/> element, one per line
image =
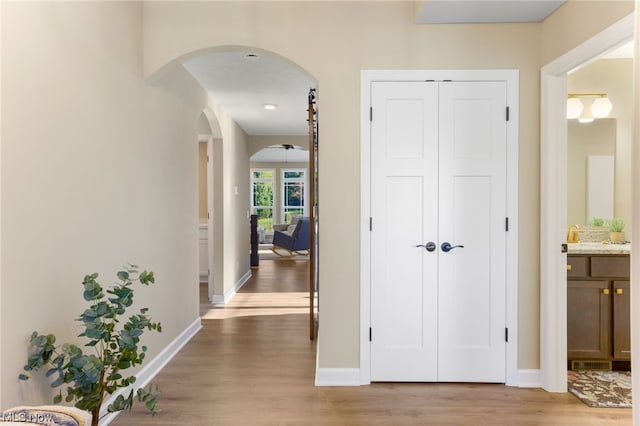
<point x="553" y="200"/>
<point x="259" y="98"/>
<point x="209" y="193"/>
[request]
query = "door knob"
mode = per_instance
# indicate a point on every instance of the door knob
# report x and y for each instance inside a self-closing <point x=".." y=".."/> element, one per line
<point x="447" y="247"/>
<point x="430" y="246"/>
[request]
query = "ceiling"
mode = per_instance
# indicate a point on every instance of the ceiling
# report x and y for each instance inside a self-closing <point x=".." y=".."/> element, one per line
<point x="483" y="11"/>
<point x="279" y="154"/>
<point x="242" y="82"/>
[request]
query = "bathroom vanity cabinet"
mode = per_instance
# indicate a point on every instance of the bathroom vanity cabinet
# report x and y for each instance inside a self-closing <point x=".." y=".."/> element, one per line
<point x="598" y="305"/>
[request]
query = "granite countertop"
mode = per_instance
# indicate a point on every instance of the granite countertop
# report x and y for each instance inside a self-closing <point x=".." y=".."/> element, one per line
<point x="599" y="248"/>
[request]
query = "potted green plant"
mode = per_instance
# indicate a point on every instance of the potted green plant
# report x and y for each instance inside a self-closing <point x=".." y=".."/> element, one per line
<point x="616" y="225"/>
<point x="114" y="345"/>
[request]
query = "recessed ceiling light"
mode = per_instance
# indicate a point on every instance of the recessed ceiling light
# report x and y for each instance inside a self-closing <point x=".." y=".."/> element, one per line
<point x="252" y="57"/>
<point x="269" y="107"/>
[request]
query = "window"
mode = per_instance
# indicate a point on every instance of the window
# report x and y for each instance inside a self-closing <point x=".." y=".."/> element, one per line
<point x="262" y="196"/>
<point x="293" y="193"/>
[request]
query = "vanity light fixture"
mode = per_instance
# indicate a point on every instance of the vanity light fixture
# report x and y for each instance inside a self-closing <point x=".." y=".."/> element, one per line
<point x="586" y="116"/>
<point x="600" y="106"/>
<point x="574" y="108"/>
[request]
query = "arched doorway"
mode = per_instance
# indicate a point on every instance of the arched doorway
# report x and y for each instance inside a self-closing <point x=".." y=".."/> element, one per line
<point x="256" y="96"/>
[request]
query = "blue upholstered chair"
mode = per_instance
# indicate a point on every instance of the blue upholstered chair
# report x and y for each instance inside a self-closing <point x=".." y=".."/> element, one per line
<point x="297" y="242"/>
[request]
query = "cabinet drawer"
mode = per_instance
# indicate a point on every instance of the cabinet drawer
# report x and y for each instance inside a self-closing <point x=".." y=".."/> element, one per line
<point x="576" y="267"/>
<point x="610" y="266"/>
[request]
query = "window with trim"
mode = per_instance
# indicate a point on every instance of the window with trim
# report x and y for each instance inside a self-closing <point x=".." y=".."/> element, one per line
<point x="293" y="193"/>
<point x="262" y="182"/>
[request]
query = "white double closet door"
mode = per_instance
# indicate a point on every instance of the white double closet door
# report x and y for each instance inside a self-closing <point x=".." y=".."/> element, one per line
<point x="438" y="176"/>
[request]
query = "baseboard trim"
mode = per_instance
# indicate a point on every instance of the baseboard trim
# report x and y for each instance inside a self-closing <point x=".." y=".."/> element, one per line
<point x="153" y="367"/>
<point x="337" y="377"/>
<point x="525" y="379"/>
<point x="351" y="377"/>
<point x="224" y="299"/>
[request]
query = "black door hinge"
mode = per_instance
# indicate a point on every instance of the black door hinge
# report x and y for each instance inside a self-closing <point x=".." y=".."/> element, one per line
<point x="507" y="113"/>
<point x="506" y="224"/>
<point x="370" y="224"/>
<point x="370" y="334"/>
<point x="506" y="334"/>
<point x="370" y="113"/>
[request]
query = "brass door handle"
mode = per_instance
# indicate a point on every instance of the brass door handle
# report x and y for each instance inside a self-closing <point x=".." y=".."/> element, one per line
<point x="619" y="291"/>
<point x="605" y="291"/>
<point x="568" y="267"/>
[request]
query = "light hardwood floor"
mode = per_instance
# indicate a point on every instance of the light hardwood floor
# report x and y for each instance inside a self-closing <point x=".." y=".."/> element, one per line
<point x="253" y="364"/>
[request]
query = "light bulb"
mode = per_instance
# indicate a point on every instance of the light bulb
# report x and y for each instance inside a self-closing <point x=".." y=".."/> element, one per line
<point x="586" y="116"/>
<point x="601" y="107"/>
<point x="574" y="108"/>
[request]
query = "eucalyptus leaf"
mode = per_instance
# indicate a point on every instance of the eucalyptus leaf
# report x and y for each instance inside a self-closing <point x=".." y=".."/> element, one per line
<point x="89" y="378"/>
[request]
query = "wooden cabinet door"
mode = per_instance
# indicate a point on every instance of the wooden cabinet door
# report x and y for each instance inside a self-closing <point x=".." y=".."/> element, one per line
<point x="588" y="319"/>
<point x="621" y="320"/>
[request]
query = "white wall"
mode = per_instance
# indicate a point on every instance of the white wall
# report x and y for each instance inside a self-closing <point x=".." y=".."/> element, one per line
<point x="218" y="222"/>
<point x="235" y="202"/>
<point x="1" y="292"/>
<point x="576" y="21"/>
<point x="99" y="168"/>
<point x="203" y="186"/>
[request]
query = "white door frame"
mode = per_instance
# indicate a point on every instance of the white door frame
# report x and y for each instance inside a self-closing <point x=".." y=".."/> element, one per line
<point x="512" y="79"/>
<point x="553" y="199"/>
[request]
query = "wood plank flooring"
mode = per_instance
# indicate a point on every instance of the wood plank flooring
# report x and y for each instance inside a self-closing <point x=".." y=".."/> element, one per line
<point x="253" y="364"/>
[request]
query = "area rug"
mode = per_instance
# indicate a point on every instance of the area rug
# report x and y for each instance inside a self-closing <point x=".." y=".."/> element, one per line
<point x="601" y="388"/>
